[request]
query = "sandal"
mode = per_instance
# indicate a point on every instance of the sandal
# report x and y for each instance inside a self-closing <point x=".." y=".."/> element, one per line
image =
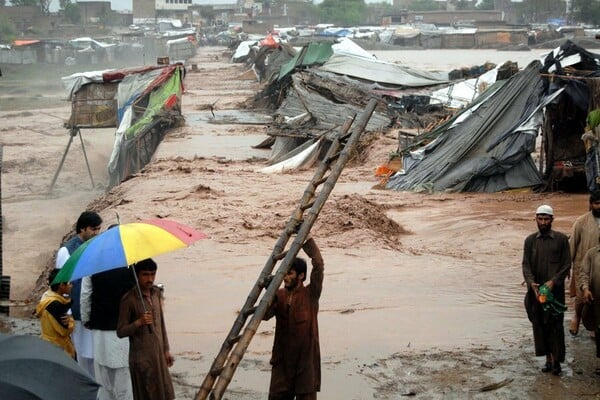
<point x="547" y="367"/>
<point x="573" y="332"/>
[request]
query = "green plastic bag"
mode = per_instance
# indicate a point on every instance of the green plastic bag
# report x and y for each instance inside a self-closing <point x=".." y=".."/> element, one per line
<point x="549" y="303"/>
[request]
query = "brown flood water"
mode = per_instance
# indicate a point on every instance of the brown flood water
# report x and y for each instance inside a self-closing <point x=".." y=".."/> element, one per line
<point x="436" y="311"/>
<point x="453" y="283"/>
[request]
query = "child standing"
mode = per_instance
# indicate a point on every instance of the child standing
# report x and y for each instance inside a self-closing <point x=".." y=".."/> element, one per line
<point x="52" y="311"/>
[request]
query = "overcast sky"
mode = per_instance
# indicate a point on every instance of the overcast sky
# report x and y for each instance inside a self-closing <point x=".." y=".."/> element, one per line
<point x="126" y="4"/>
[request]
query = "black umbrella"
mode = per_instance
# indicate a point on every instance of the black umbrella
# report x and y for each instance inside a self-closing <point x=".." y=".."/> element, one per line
<point x="32" y="368"/>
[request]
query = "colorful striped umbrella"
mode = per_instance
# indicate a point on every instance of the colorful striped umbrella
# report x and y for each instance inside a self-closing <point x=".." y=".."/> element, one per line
<point x="125" y="245"/>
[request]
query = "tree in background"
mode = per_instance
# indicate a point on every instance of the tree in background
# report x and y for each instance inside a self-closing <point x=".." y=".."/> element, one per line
<point x="208" y="14"/>
<point x="424" y="5"/>
<point x="266" y="7"/>
<point x="342" y="12"/>
<point x="44" y="5"/>
<point x="376" y="11"/>
<point x="303" y="13"/>
<point x="462" y="5"/>
<point x="107" y="17"/>
<point x="71" y="12"/>
<point x="8" y="32"/>
<point x="540" y="11"/>
<point x="27" y="3"/>
<point x="485" y="5"/>
<point x="586" y="11"/>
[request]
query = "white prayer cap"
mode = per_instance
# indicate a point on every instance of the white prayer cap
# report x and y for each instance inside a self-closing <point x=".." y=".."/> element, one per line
<point x="544" y="209"/>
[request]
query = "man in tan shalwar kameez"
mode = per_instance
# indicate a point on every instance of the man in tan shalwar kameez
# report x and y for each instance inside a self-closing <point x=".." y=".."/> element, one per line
<point x="585" y="235"/>
<point x="149" y="355"/>
<point x="296" y="358"/>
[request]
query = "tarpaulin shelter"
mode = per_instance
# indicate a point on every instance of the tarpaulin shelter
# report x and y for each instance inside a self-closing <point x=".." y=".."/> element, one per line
<point x="488" y="147"/>
<point x="142" y="103"/>
<point x="565" y="160"/>
<point x="325" y="82"/>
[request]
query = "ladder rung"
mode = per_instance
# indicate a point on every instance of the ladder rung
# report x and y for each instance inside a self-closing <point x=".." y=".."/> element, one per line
<point x="320" y="181"/>
<point x="236" y="345"/>
<point x="307" y="206"/>
<point x="249" y="311"/>
<point x="333" y="157"/>
<point x="234" y="340"/>
<point x="216" y="372"/>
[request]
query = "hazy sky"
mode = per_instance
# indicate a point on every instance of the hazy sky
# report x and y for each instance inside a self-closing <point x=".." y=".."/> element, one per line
<point x="126" y="4"/>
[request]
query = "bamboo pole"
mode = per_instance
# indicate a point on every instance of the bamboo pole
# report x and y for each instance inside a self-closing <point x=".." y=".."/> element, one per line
<point x="342" y="158"/>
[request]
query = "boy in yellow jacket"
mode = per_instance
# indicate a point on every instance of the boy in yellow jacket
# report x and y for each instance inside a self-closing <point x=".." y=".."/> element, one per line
<point x="52" y="311"/>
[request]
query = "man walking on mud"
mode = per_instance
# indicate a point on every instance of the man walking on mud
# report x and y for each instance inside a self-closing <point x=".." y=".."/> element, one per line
<point x="586" y="232"/>
<point x="296" y="358"/>
<point x="546" y="263"/>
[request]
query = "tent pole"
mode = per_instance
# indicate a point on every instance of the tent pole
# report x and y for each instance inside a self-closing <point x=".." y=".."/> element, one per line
<point x="87" y="164"/>
<point x="62" y="161"/>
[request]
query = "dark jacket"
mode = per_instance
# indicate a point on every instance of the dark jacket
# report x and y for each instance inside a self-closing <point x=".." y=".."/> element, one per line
<point x="107" y="290"/>
<point x="72" y="245"/>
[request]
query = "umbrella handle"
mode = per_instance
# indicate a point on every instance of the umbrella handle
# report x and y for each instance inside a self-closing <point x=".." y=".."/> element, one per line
<point x="139" y="291"/>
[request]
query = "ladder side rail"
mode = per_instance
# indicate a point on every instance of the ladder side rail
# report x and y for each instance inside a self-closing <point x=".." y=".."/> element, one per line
<point x="291" y="226"/>
<point x="254" y="294"/>
<point x="266" y="300"/>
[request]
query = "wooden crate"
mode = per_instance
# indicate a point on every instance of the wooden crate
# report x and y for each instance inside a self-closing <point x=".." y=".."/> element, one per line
<point x="94" y="106"/>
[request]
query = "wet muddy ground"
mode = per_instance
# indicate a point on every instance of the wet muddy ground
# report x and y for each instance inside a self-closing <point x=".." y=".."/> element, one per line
<point x="422" y="294"/>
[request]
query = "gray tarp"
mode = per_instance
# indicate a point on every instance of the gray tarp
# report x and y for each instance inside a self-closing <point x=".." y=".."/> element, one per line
<point x="490" y="149"/>
<point x="382" y="72"/>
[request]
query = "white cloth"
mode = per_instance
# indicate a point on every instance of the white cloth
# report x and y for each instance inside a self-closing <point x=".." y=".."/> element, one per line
<point x="85" y="299"/>
<point x="111" y="365"/>
<point x="83" y="340"/>
<point x="61" y="257"/>
<point x="110" y="350"/>
<point x="115" y="383"/>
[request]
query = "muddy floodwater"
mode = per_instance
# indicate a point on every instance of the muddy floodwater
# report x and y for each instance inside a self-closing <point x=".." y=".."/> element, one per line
<point x="422" y="295"/>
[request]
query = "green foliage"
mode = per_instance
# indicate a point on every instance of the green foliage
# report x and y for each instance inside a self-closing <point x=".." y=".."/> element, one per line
<point x="423" y="5"/>
<point x="107" y="17"/>
<point x="7" y="29"/>
<point x="342" y="12"/>
<point x="375" y="11"/>
<point x="539" y="11"/>
<point x="587" y="11"/>
<point x="29" y="3"/>
<point x="72" y="12"/>
<point x="464" y="5"/>
<point x="485" y="5"/>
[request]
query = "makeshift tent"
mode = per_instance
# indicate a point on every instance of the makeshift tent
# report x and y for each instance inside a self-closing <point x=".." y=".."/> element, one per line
<point x="148" y="105"/>
<point x="315" y="53"/>
<point x="488" y="146"/>
<point x="141" y="102"/>
<point x="326" y="82"/>
<point x="382" y="72"/>
<point x="566" y="162"/>
<point x="487" y="149"/>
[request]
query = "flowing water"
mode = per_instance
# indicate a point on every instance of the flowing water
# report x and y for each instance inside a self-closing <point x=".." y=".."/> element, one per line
<point x="456" y="283"/>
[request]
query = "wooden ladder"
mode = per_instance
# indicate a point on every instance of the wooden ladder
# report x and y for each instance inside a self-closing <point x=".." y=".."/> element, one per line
<point x="301" y="221"/>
